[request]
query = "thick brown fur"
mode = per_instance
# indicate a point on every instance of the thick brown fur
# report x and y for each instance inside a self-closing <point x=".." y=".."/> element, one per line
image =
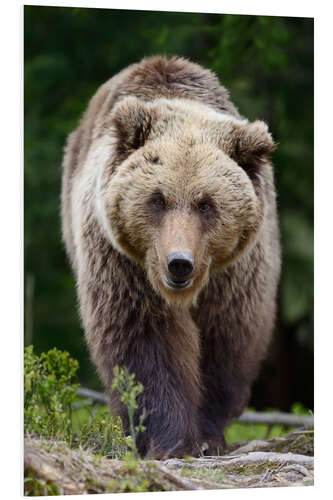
<point x="161" y="162"/>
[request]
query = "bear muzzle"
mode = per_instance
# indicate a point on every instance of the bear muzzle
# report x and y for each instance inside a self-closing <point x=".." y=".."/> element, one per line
<point x="180" y="267"/>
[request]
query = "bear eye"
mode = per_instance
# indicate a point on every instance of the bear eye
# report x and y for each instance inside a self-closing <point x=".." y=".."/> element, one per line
<point x="158" y="201"/>
<point x="205" y="207"/>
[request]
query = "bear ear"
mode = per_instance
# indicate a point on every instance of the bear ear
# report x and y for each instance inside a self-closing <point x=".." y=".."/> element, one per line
<point x="249" y="144"/>
<point x="132" y="120"/>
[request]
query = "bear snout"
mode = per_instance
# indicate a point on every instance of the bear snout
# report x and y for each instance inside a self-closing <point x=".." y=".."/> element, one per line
<point x="180" y="265"/>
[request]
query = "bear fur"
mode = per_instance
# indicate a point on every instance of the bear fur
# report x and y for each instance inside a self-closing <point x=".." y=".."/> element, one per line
<point x="162" y="162"/>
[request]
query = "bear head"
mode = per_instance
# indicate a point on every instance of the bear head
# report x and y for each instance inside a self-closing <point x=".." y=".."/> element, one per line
<point x="185" y="196"/>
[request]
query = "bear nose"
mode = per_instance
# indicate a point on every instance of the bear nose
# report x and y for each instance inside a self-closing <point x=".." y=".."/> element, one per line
<point x="180" y="265"/>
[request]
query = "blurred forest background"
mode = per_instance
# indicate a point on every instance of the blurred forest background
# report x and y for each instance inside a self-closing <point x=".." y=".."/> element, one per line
<point x="265" y="62"/>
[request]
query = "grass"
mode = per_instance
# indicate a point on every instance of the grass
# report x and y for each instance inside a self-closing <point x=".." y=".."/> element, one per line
<point x="247" y="432"/>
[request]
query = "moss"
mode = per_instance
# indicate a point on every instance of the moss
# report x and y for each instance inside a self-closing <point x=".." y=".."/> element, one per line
<point x="299" y="442"/>
<point x="219" y="474"/>
<point x="213" y="475"/>
<point x="252" y="469"/>
<point x="142" y="477"/>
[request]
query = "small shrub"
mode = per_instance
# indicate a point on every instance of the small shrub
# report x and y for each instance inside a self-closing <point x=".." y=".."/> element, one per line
<point x="124" y="382"/>
<point x="49" y="391"/>
<point x="50" y="387"/>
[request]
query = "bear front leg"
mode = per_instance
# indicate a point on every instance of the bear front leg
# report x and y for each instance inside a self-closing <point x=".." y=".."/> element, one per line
<point x="229" y="365"/>
<point x="234" y="341"/>
<point x="169" y="402"/>
<point x="164" y="356"/>
<point x="225" y="367"/>
<point x="225" y="397"/>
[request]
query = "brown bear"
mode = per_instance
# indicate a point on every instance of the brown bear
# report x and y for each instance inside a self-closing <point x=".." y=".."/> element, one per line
<point x="169" y="220"/>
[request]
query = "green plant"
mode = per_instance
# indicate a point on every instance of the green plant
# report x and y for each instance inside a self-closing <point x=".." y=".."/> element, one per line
<point x="299" y="409"/>
<point x="129" y="391"/>
<point x="102" y="433"/>
<point x="238" y="431"/>
<point x="49" y="391"/>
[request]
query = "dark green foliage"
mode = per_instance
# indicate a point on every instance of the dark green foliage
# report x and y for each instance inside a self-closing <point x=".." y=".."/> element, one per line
<point x="266" y="62"/>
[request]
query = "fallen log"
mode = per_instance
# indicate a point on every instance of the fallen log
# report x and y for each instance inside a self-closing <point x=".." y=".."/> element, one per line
<point x="268" y="418"/>
<point x="276" y="418"/>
